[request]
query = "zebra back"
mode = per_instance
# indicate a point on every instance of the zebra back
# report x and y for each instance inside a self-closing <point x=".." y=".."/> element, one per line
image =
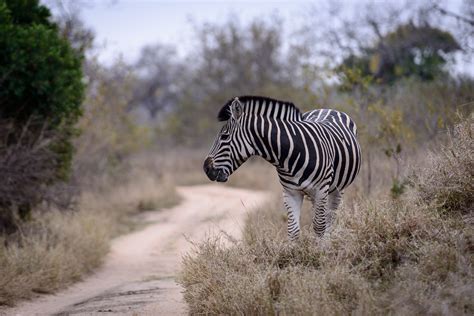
<point x="337" y="118"/>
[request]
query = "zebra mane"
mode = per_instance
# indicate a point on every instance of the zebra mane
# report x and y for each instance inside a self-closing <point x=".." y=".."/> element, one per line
<point x="225" y="112"/>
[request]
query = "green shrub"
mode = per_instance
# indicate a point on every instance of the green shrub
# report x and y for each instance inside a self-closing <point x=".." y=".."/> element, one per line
<point x="41" y="92"/>
<point x="40" y="73"/>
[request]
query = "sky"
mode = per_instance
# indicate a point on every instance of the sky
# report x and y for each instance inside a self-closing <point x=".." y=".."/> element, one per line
<point x="124" y="27"/>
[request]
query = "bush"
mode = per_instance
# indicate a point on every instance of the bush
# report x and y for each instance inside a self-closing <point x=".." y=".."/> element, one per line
<point x="41" y="95"/>
<point x="448" y="178"/>
<point x="26" y="167"/>
<point x="40" y="73"/>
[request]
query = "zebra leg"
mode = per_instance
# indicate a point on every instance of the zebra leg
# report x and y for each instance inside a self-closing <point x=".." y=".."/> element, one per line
<point x="334" y="200"/>
<point x="320" y="202"/>
<point x="293" y="201"/>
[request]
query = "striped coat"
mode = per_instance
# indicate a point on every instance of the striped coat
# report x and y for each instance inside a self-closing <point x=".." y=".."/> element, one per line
<point x="315" y="153"/>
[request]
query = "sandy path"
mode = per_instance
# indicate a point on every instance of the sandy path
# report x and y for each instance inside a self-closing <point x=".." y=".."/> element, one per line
<point x="138" y="276"/>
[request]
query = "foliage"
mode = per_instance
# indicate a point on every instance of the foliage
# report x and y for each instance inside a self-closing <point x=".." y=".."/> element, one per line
<point x="397" y="189"/>
<point x="158" y="76"/>
<point x="230" y="59"/>
<point x="41" y="91"/>
<point x="71" y="26"/>
<point x="25" y="12"/>
<point x="381" y="128"/>
<point x="409" y="50"/>
<point x="110" y="134"/>
<point x="398" y="119"/>
<point x="40" y="73"/>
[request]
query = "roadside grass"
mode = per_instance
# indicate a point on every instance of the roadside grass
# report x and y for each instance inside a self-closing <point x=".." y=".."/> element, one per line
<point x="55" y="248"/>
<point x="410" y="255"/>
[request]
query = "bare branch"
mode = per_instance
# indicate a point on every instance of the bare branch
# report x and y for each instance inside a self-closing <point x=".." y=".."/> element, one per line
<point x="453" y="15"/>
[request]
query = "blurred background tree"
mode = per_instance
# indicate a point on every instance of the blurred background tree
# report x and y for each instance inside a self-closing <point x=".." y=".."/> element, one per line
<point x="110" y="134"/>
<point x="409" y="50"/>
<point x="229" y="59"/>
<point x="159" y="73"/>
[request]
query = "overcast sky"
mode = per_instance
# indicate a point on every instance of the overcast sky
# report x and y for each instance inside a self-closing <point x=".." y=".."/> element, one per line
<point x="123" y="27"/>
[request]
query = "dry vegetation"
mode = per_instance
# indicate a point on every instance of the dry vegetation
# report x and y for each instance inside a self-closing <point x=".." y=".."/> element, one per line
<point x="24" y="167"/>
<point x="56" y="248"/>
<point x="411" y="255"/>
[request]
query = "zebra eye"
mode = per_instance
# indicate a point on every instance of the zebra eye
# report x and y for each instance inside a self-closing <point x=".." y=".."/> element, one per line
<point x="225" y="136"/>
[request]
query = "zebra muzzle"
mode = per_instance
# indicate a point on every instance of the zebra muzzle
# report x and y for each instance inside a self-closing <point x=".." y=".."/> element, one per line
<point x="212" y="173"/>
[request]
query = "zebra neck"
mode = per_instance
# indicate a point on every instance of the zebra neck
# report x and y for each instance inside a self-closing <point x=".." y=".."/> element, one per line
<point x="264" y="117"/>
<point x="272" y="109"/>
<point x="265" y="137"/>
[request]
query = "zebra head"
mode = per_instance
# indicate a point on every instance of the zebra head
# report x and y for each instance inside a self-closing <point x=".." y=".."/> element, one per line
<point x="231" y="147"/>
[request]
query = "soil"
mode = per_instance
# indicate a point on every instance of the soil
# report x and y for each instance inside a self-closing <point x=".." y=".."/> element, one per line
<point x="138" y="276"/>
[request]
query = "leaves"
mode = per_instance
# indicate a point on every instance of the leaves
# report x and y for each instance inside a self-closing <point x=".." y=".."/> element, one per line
<point x="409" y="50"/>
<point x="40" y="73"/>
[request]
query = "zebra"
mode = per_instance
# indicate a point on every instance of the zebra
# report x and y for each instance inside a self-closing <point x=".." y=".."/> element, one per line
<point x="316" y="153"/>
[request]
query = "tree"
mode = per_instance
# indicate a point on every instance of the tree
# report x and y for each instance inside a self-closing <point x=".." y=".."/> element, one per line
<point x="67" y="16"/>
<point x="109" y="134"/>
<point x="41" y="92"/>
<point x="40" y="74"/>
<point x="159" y="74"/>
<point x="229" y="59"/>
<point x="409" y="50"/>
<point x="241" y="59"/>
<point x="388" y="40"/>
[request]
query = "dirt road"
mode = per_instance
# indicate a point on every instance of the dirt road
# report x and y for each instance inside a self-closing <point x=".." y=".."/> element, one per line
<point x="138" y="276"/>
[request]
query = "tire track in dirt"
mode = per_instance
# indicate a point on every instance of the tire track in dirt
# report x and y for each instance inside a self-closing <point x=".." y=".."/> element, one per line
<point x="138" y="276"/>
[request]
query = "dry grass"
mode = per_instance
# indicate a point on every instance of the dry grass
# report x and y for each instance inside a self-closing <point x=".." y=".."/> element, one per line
<point x="58" y="248"/>
<point x="413" y="255"/>
<point x="448" y="178"/>
<point x="52" y="252"/>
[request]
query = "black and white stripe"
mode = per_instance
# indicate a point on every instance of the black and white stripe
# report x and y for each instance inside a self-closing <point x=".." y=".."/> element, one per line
<point x="315" y="153"/>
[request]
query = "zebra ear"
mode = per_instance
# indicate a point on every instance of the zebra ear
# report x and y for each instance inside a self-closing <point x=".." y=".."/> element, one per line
<point x="236" y="109"/>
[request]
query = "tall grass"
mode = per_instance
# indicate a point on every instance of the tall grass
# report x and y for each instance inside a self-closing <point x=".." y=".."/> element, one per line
<point x="410" y="255"/>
